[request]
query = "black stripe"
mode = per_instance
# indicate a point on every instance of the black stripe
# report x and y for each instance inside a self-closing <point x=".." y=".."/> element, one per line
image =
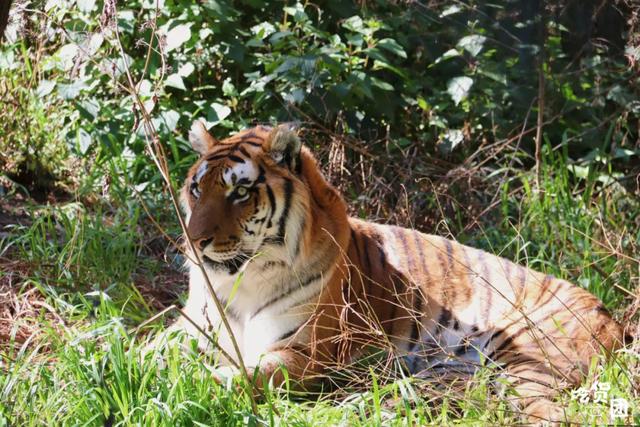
<point x="244" y="151"/>
<point x="253" y="143"/>
<point x="392" y="318"/>
<point x="543" y="287"/>
<point x="365" y="256"/>
<point x="403" y="240"/>
<point x="250" y="134"/>
<point x="485" y="278"/>
<point x="507" y="342"/>
<point x="462" y="348"/>
<point x="288" y="194"/>
<point x="288" y="292"/>
<point x="523" y="276"/>
<point x="552" y="294"/>
<point x="444" y="319"/>
<point x="467" y="272"/>
<point x="228" y="310"/>
<point x="288" y="334"/>
<point x="396" y="295"/>
<point x="260" y="179"/>
<point x="502" y="346"/>
<point x="420" y="249"/>
<point x="416" y="324"/>
<point x="449" y="247"/>
<point x="231" y="266"/>
<point x="450" y="292"/>
<point x="298" y="239"/>
<point x="383" y="257"/>
<point x="354" y="240"/>
<point x="272" y="203"/>
<point x="507" y="265"/>
<point x="236" y="158"/>
<point x="495" y="335"/>
<point x="272" y="264"/>
<point x="216" y="156"/>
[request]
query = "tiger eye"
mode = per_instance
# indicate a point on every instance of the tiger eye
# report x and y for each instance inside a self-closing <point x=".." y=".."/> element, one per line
<point x="241" y="191"/>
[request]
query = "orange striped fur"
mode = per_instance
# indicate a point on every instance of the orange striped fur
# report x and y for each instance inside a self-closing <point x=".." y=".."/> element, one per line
<point x="320" y="289"/>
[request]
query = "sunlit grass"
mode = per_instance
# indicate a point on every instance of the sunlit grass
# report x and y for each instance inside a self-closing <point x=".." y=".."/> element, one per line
<point x="86" y="366"/>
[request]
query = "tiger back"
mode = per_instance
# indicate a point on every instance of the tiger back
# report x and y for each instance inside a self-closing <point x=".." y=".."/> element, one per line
<point x="308" y="288"/>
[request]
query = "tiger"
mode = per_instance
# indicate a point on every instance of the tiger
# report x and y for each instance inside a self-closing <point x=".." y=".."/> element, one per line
<point x="304" y="286"/>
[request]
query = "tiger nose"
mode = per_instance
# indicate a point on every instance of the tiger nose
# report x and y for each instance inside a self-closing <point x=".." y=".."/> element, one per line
<point x="202" y="243"/>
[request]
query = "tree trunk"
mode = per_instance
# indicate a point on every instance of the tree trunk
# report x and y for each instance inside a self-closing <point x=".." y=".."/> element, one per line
<point x="5" y="5"/>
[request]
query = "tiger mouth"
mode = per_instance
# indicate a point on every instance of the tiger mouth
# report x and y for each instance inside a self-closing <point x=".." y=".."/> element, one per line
<point x="231" y="265"/>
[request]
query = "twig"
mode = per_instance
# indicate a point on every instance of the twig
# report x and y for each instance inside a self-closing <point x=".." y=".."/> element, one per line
<point x="159" y="158"/>
<point x="541" y="82"/>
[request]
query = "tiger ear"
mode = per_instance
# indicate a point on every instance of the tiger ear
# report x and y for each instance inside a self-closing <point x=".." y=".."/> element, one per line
<point x="283" y="145"/>
<point x="201" y="140"/>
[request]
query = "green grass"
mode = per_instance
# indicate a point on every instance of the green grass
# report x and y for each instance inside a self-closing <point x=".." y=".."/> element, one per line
<point x="78" y="277"/>
<point x="85" y="366"/>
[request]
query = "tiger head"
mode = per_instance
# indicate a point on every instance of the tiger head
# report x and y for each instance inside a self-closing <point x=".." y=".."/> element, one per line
<point x="247" y="196"/>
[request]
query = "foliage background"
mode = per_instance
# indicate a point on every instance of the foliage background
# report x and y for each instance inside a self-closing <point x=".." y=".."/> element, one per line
<point x="425" y="114"/>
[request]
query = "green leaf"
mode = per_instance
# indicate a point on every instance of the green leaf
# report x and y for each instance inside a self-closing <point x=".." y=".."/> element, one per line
<point x="354" y="24"/>
<point x="94" y="43"/>
<point x="380" y="84"/>
<point x="297" y="12"/>
<point x="50" y="4"/>
<point x="170" y="119"/>
<point x="86" y="5"/>
<point x="262" y="30"/>
<point x="126" y="21"/>
<point x="89" y="108"/>
<point x="377" y="65"/>
<point x="177" y="36"/>
<point x="451" y="53"/>
<point x="217" y="113"/>
<point x="620" y="95"/>
<point x="174" y="80"/>
<point x="228" y="89"/>
<point x="152" y="4"/>
<point x="472" y="44"/>
<point x="392" y="46"/>
<point x="458" y="88"/>
<point x="423" y="104"/>
<point x="204" y="33"/>
<point x="145" y="88"/>
<point x="64" y="56"/>
<point x="186" y="69"/>
<point x="623" y="153"/>
<point x="7" y="61"/>
<point x="70" y="91"/>
<point x="450" y="140"/>
<point x="361" y="84"/>
<point x="295" y="97"/>
<point x="84" y="141"/>
<point x="450" y="10"/>
<point x="498" y="77"/>
<point x="45" y="87"/>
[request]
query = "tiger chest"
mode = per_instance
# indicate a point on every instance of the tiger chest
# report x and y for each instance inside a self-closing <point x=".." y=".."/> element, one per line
<point x="262" y="309"/>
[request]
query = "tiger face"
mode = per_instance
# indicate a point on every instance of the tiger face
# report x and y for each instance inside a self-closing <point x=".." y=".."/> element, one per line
<point x="243" y="197"/>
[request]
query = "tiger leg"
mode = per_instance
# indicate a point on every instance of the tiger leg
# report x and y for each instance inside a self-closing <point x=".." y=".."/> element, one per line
<point x="285" y="364"/>
<point x="536" y="387"/>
